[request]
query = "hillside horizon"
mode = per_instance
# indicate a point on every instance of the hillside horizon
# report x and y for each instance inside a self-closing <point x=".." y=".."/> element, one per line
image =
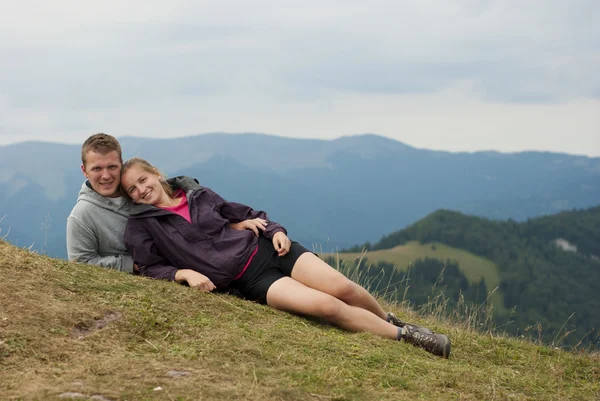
<point x="72" y="331"/>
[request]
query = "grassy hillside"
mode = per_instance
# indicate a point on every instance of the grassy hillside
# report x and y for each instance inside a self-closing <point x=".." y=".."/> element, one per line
<point x="472" y="266"/>
<point x="69" y="331"/>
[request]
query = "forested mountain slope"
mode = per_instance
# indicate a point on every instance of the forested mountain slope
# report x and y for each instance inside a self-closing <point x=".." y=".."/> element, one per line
<point x="548" y="266"/>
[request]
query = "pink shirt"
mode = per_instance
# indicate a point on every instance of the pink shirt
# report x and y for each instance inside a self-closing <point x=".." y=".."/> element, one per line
<point x="183" y="208"/>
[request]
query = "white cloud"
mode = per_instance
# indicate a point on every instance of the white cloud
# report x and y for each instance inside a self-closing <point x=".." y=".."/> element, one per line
<point x="305" y="68"/>
<point x="453" y="119"/>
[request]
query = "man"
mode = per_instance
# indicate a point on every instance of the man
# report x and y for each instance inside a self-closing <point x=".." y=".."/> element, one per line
<point x="96" y="224"/>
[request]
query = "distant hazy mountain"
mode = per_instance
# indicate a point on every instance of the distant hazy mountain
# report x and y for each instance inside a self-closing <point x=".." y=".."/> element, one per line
<point x="327" y="193"/>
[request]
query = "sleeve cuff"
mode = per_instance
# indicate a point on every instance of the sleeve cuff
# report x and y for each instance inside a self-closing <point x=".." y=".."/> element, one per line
<point x="127" y="264"/>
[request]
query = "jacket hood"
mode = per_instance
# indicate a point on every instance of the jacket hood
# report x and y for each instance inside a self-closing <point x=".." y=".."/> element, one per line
<point x="184" y="183"/>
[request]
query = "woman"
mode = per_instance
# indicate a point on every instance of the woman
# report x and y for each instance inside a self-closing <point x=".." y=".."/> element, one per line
<point x="184" y="232"/>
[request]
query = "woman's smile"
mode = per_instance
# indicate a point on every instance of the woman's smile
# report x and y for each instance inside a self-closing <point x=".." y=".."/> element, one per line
<point x="144" y="187"/>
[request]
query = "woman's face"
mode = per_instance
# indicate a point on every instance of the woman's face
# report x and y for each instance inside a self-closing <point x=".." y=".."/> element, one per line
<point x="143" y="187"/>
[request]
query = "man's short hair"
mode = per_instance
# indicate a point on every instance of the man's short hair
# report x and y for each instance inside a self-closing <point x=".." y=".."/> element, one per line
<point x="100" y="143"/>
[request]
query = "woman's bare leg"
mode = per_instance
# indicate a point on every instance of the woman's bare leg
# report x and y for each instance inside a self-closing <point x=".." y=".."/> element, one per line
<point x="290" y="295"/>
<point x="314" y="273"/>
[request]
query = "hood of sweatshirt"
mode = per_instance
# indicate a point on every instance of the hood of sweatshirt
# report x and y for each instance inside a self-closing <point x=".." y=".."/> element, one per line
<point x="120" y="205"/>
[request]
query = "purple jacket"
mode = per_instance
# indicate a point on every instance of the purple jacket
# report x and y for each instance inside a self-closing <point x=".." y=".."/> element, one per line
<point x="162" y="242"/>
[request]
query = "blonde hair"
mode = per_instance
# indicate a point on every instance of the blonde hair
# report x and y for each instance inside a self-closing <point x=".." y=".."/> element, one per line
<point x="147" y="167"/>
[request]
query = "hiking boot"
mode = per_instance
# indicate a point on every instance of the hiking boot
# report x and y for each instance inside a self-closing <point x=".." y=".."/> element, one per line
<point x="437" y="344"/>
<point x="395" y="320"/>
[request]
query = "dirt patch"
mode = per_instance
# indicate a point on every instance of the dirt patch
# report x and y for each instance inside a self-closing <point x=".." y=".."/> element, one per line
<point x="178" y="373"/>
<point x="82" y="330"/>
<point x="80" y="396"/>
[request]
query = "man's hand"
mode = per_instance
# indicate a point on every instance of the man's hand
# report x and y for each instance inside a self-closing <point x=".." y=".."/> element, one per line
<point x="195" y="279"/>
<point x="281" y="243"/>
<point x="251" y="224"/>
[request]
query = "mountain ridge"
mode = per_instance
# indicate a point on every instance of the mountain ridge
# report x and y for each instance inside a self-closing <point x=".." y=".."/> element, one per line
<point x="347" y="191"/>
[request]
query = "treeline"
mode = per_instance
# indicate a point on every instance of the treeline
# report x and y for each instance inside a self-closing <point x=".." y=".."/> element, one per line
<point x="426" y="282"/>
<point x="541" y="282"/>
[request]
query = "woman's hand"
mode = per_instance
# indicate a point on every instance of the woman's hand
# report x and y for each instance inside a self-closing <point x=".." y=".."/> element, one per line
<point x="195" y="279"/>
<point x="281" y="243"/>
<point x="251" y="224"/>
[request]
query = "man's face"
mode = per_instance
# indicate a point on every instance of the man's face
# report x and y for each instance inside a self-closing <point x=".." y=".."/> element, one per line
<point x="103" y="172"/>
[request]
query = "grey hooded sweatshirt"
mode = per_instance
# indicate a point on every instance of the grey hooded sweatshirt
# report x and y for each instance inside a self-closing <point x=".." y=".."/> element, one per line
<point x="95" y="230"/>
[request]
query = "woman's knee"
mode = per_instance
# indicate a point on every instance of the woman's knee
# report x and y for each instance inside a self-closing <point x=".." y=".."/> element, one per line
<point x="330" y="309"/>
<point x="348" y="291"/>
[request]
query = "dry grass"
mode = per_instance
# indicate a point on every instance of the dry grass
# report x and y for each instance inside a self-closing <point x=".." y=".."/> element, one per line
<point x="67" y="328"/>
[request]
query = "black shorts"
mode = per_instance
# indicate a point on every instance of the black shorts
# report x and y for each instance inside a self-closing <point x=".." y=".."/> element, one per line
<point x="266" y="268"/>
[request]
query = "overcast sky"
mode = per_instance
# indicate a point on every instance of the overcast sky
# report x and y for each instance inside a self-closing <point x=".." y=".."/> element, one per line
<point x="453" y="75"/>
